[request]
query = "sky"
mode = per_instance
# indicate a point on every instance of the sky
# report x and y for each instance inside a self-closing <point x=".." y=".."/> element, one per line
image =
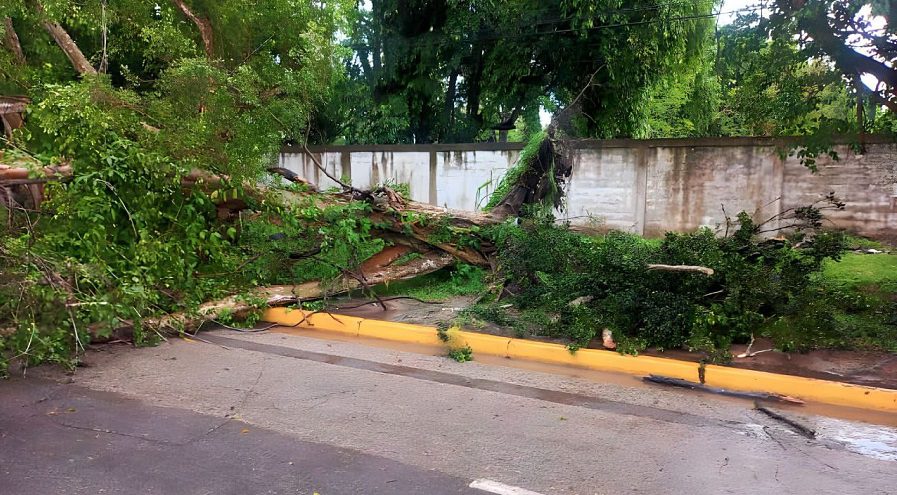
<point x="731" y="7"/>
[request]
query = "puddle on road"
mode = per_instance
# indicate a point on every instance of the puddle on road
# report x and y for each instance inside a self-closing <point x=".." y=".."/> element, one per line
<point x="878" y="442"/>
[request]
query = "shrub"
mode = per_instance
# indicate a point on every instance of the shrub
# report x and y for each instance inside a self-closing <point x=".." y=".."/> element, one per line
<point x="755" y="279"/>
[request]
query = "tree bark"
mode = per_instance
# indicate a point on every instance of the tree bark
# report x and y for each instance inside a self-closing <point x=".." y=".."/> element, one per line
<point x="71" y="50"/>
<point x="376" y="37"/>
<point x="450" y="95"/>
<point x="473" y="80"/>
<point x="66" y="43"/>
<point x="682" y="268"/>
<point x="205" y="28"/>
<point x="283" y="295"/>
<point x="11" y="41"/>
<point x="542" y="180"/>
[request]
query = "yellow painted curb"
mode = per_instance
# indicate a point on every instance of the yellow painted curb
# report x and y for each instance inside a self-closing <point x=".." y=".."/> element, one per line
<point x="809" y="389"/>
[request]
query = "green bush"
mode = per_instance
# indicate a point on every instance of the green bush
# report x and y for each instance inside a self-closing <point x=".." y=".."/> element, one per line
<point x="755" y="280"/>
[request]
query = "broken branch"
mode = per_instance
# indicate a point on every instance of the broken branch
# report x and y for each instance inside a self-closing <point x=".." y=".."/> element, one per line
<point x="677" y="382"/>
<point x="283" y="295"/>
<point x="682" y="268"/>
<point x="803" y="430"/>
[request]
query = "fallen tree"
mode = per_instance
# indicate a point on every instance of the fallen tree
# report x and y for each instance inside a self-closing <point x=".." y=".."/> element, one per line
<point x="141" y="199"/>
<point x="287" y="295"/>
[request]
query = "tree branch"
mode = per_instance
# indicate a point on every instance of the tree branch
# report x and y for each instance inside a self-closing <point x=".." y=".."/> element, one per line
<point x="682" y="268"/>
<point x="205" y="28"/>
<point x="881" y="100"/>
<point x="831" y="41"/>
<point x="66" y="43"/>
<point x="11" y="41"/>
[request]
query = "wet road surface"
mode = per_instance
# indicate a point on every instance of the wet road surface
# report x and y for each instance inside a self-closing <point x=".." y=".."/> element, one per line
<point x="276" y="413"/>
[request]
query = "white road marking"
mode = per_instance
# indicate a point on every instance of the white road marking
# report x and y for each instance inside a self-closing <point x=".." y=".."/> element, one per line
<point x="500" y="488"/>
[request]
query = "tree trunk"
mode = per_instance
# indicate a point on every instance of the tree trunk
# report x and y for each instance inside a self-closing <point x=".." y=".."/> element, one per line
<point x="66" y="43"/>
<point x="11" y="41"/>
<point x="376" y="37"/>
<point x="473" y="88"/>
<point x="450" y="95"/>
<point x="283" y="295"/>
<point x="205" y="28"/>
<point x="542" y="180"/>
<point x="71" y="50"/>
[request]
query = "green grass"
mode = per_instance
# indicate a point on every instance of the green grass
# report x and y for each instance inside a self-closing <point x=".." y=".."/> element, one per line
<point x="855" y="307"/>
<point x="461" y="280"/>
<point x="877" y="272"/>
<point x="856" y="242"/>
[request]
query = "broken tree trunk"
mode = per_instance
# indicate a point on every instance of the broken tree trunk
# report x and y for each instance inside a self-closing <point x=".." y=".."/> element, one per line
<point x="12" y="110"/>
<point x="294" y="294"/>
<point x="541" y="182"/>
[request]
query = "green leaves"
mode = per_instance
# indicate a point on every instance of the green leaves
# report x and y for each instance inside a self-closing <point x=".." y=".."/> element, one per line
<point x="126" y="237"/>
<point x="456" y="71"/>
<point x="582" y="285"/>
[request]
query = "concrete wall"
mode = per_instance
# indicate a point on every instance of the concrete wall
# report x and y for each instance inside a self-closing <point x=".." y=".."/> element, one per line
<point x="648" y="187"/>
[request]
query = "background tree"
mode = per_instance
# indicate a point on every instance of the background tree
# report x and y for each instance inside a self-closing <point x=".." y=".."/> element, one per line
<point x="750" y="84"/>
<point x="845" y="33"/>
<point x="444" y="70"/>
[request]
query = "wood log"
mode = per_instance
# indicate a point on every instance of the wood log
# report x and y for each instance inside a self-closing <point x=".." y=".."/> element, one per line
<point x="13" y="104"/>
<point x="9" y="172"/>
<point x="682" y="268"/>
<point x="293" y="294"/>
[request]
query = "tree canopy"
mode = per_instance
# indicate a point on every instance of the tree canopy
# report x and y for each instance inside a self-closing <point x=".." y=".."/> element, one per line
<point x="213" y="84"/>
<point x="845" y="33"/>
<point x="424" y="71"/>
<point x="158" y="114"/>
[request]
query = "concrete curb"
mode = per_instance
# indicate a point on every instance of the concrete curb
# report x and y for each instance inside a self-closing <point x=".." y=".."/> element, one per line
<point x="809" y="389"/>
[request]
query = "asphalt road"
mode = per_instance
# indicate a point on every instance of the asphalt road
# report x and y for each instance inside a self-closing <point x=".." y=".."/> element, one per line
<point x="65" y="439"/>
<point x="274" y="413"/>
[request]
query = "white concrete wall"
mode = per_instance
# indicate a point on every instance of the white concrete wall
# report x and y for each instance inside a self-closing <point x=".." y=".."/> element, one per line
<point x="647" y="187"/>
<point x="466" y="179"/>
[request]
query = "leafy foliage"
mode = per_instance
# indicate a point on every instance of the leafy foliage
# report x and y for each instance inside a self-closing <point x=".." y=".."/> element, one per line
<point x="156" y="143"/>
<point x="461" y="354"/>
<point x="550" y="267"/>
<point x="460" y="71"/>
<point x="748" y="84"/>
